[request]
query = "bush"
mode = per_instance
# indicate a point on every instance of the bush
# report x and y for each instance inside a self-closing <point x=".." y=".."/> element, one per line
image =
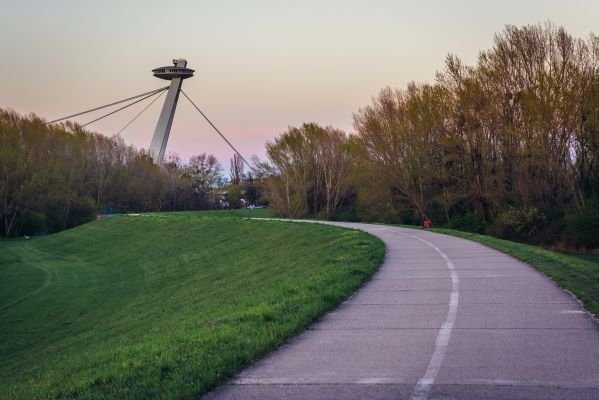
<point x="582" y="227"/>
<point x="346" y="215"/>
<point x="234" y="192"/>
<point x="34" y="223"/>
<point x="522" y="224"/>
<point x="408" y="217"/>
<point x="435" y="212"/>
<point x="468" y="222"/>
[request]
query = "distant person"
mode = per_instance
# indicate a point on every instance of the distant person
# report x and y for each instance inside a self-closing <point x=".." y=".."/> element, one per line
<point x="426" y="223"/>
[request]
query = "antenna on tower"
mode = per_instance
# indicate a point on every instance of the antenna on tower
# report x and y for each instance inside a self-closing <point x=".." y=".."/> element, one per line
<point x="175" y="73"/>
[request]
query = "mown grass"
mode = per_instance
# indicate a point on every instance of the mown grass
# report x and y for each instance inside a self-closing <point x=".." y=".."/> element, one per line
<point x="164" y="306"/>
<point x="578" y="273"/>
<point x="240" y="212"/>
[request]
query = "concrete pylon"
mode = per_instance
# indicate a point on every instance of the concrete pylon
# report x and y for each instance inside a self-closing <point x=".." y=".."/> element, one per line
<point x="175" y="73"/>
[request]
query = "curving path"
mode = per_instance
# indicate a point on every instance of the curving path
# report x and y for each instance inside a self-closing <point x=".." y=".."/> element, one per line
<point x="443" y="318"/>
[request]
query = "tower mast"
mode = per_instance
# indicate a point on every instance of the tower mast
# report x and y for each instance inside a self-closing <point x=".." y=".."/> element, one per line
<point x="175" y="73"/>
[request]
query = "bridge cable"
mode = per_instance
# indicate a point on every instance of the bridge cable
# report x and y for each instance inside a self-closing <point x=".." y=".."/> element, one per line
<point x="107" y="105"/>
<point x="141" y="112"/>
<point x="117" y="110"/>
<point x="219" y="132"/>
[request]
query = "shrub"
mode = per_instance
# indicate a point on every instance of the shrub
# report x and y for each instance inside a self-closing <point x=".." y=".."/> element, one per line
<point x="523" y="224"/>
<point x="345" y="214"/>
<point x="234" y="192"/>
<point x="408" y="217"/>
<point x="468" y="222"/>
<point x="582" y="227"/>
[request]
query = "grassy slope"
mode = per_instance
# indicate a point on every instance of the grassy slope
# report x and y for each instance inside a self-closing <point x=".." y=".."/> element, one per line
<point x="579" y="273"/>
<point x="164" y="306"/>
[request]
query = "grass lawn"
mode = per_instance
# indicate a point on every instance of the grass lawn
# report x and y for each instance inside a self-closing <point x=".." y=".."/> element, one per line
<point x="165" y="306"/>
<point x="579" y="273"/>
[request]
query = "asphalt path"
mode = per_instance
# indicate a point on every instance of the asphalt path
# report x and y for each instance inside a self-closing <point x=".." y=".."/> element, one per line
<point x="443" y="318"/>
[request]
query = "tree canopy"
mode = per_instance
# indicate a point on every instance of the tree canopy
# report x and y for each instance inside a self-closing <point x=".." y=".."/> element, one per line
<point x="58" y="176"/>
<point x="509" y="146"/>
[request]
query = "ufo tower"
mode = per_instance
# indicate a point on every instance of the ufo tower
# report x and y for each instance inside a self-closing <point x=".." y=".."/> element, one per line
<point x="174" y="73"/>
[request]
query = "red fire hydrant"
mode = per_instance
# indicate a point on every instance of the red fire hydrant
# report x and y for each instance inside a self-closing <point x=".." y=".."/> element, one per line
<point x="427" y="223"/>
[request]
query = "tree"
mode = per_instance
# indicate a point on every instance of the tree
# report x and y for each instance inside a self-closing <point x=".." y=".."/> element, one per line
<point x="397" y="147"/>
<point x="236" y="171"/>
<point x="516" y="131"/>
<point x="308" y="171"/>
<point x="54" y="177"/>
<point x="205" y="174"/>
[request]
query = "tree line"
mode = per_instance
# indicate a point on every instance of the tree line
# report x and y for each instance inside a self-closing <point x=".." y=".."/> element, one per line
<point x="509" y="146"/>
<point x="54" y="177"/>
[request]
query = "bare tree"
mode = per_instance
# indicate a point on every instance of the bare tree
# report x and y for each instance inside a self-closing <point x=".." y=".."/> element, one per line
<point x="236" y="171"/>
<point x="310" y="166"/>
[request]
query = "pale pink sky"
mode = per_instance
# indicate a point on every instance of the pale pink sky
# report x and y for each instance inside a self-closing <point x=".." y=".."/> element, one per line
<point x="261" y="66"/>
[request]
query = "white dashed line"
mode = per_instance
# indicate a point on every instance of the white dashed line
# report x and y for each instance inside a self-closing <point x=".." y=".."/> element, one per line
<point x="424" y="384"/>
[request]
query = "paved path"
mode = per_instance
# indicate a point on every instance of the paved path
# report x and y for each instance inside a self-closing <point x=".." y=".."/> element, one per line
<point x="444" y="318"/>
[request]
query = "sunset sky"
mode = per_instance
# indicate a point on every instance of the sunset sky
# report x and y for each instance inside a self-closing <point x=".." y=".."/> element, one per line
<point x="261" y="66"/>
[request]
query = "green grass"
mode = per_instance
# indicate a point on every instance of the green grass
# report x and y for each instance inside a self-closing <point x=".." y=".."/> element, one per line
<point x="241" y="212"/>
<point x="578" y="273"/>
<point x="165" y="306"/>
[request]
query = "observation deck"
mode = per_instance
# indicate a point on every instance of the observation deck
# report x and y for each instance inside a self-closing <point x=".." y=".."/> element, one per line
<point x="178" y="70"/>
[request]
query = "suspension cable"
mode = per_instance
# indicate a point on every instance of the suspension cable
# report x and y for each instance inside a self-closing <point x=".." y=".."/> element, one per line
<point x="217" y="131"/>
<point x="141" y="112"/>
<point x="107" y="105"/>
<point x="116" y="111"/>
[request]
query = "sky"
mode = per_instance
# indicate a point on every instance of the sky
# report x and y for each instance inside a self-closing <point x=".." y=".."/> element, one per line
<point x="261" y="66"/>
